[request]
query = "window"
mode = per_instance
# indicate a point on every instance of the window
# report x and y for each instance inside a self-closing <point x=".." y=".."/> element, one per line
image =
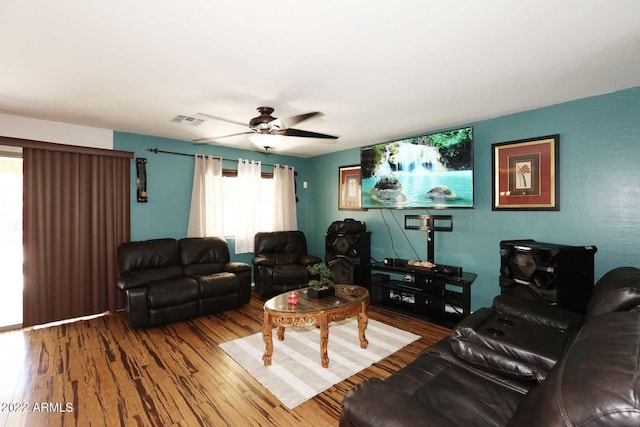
<point x="231" y="195"/>
<point x="11" y="249"/>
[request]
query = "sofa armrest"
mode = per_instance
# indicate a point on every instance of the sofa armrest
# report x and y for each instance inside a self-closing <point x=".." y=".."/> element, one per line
<point x="263" y="261"/>
<point x="137" y="306"/>
<point x="309" y="260"/>
<point x="617" y="290"/>
<point x="545" y="314"/>
<point x="480" y="340"/>
<point x="130" y="281"/>
<point x="236" y="267"/>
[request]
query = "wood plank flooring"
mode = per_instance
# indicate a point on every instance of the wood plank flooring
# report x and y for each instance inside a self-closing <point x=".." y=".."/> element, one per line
<point x="100" y="372"/>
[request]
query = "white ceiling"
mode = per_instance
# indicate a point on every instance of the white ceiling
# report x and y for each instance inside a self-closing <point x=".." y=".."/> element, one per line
<point x="379" y="70"/>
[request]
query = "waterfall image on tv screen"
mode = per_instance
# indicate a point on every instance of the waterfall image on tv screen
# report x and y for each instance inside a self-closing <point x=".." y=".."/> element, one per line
<point x="428" y="171"/>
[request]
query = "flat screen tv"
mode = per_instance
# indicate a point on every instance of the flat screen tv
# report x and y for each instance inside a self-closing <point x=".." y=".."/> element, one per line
<point x="427" y="171"/>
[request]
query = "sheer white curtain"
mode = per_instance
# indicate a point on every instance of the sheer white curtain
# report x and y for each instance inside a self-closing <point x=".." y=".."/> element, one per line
<point x="206" y="217"/>
<point x="285" y="216"/>
<point x="250" y="191"/>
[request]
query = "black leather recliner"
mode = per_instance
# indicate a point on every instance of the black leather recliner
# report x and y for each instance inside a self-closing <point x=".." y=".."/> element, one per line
<point x="280" y="262"/>
<point x="165" y="280"/>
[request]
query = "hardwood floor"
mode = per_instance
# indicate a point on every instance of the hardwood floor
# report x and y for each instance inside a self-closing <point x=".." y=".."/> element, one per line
<point x="100" y="372"/>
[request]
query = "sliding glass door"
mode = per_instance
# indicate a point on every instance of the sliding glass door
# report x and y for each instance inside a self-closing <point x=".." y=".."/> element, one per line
<point x="11" y="252"/>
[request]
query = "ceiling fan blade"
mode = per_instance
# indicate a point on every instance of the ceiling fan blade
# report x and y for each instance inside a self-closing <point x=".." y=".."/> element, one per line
<point x="305" y="134"/>
<point x="220" y="137"/>
<point x="294" y="120"/>
<point x="209" y="116"/>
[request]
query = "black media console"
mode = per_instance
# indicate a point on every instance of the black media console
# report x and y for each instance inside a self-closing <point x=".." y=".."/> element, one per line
<point x="443" y="299"/>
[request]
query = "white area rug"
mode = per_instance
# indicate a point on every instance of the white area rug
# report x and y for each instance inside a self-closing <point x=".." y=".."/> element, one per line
<point x="296" y="374"/>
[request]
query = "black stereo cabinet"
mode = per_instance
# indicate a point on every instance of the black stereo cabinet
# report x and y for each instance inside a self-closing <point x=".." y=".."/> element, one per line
<point x="443" y="299"/>
<point x="558" y="274"/>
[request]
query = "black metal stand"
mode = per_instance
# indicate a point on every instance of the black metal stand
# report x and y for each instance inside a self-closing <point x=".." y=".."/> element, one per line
<point x="430" y="224"/>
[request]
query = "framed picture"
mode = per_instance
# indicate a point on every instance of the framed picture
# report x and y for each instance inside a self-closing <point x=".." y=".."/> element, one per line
<point x="525" y="174"/>
<point x="349" y="188"/>
<point x="141" y="179"/>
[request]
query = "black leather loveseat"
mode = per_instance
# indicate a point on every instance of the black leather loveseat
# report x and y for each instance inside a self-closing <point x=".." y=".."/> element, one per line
<point x="520" y="363"/>
<point x="166" y="280"/>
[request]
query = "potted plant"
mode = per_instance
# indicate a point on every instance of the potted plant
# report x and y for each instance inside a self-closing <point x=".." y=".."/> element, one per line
<point x="321" y="284"/>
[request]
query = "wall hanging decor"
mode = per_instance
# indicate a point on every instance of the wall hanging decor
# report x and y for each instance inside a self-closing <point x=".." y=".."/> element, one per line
<point x="349" y="188"/>
<point x="141" y="179"/>
<point x="525" y="174"/>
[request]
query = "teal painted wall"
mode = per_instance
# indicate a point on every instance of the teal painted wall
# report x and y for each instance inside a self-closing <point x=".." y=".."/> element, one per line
<point x="599" y="193"/>
<point x="170" y="179"/>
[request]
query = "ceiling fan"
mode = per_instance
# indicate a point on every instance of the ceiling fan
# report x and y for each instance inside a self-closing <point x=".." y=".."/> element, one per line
<point x="266" y="131"/>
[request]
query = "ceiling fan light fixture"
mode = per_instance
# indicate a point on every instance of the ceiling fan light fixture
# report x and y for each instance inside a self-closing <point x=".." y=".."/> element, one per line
<point x="267" y="131"/>
<point x="265" y="140"/>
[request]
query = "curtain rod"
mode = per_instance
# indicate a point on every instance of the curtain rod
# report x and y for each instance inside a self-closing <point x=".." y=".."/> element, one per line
<point x="156" y="151"/>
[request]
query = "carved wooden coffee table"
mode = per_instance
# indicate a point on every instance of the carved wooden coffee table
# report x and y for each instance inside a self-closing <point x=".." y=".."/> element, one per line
<point x="349" y="301"/>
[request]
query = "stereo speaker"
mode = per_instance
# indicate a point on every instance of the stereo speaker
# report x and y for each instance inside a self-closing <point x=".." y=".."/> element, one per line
<point x="348" y="255"/>
<point x="344" y="271"/>
<point x="347" y="226"/>
<point x="560" y="274"/>
<point x="354" y="247"/>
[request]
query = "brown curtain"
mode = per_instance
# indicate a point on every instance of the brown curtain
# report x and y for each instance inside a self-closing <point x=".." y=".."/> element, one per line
<point x="76" y="213"/>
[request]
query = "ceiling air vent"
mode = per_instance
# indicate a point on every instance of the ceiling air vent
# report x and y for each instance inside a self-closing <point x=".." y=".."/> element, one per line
<point x="187" y="120"/>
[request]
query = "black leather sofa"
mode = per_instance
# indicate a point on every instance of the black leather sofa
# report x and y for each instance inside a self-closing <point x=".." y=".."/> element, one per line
<point x="520" y="363"/>
<point x="280" y="262"/>
<point x="166" y="280"/>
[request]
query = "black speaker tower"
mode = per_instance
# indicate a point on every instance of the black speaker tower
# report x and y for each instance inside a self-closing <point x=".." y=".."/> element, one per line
<point x="348" y="251"/>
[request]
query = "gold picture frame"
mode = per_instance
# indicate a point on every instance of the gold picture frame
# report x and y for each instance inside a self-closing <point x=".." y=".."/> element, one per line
<point x="525" y="174"/>
<point x="349" y="188"/>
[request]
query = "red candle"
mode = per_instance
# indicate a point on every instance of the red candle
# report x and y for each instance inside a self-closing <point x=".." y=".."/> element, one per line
<point x="293" y="297"/>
